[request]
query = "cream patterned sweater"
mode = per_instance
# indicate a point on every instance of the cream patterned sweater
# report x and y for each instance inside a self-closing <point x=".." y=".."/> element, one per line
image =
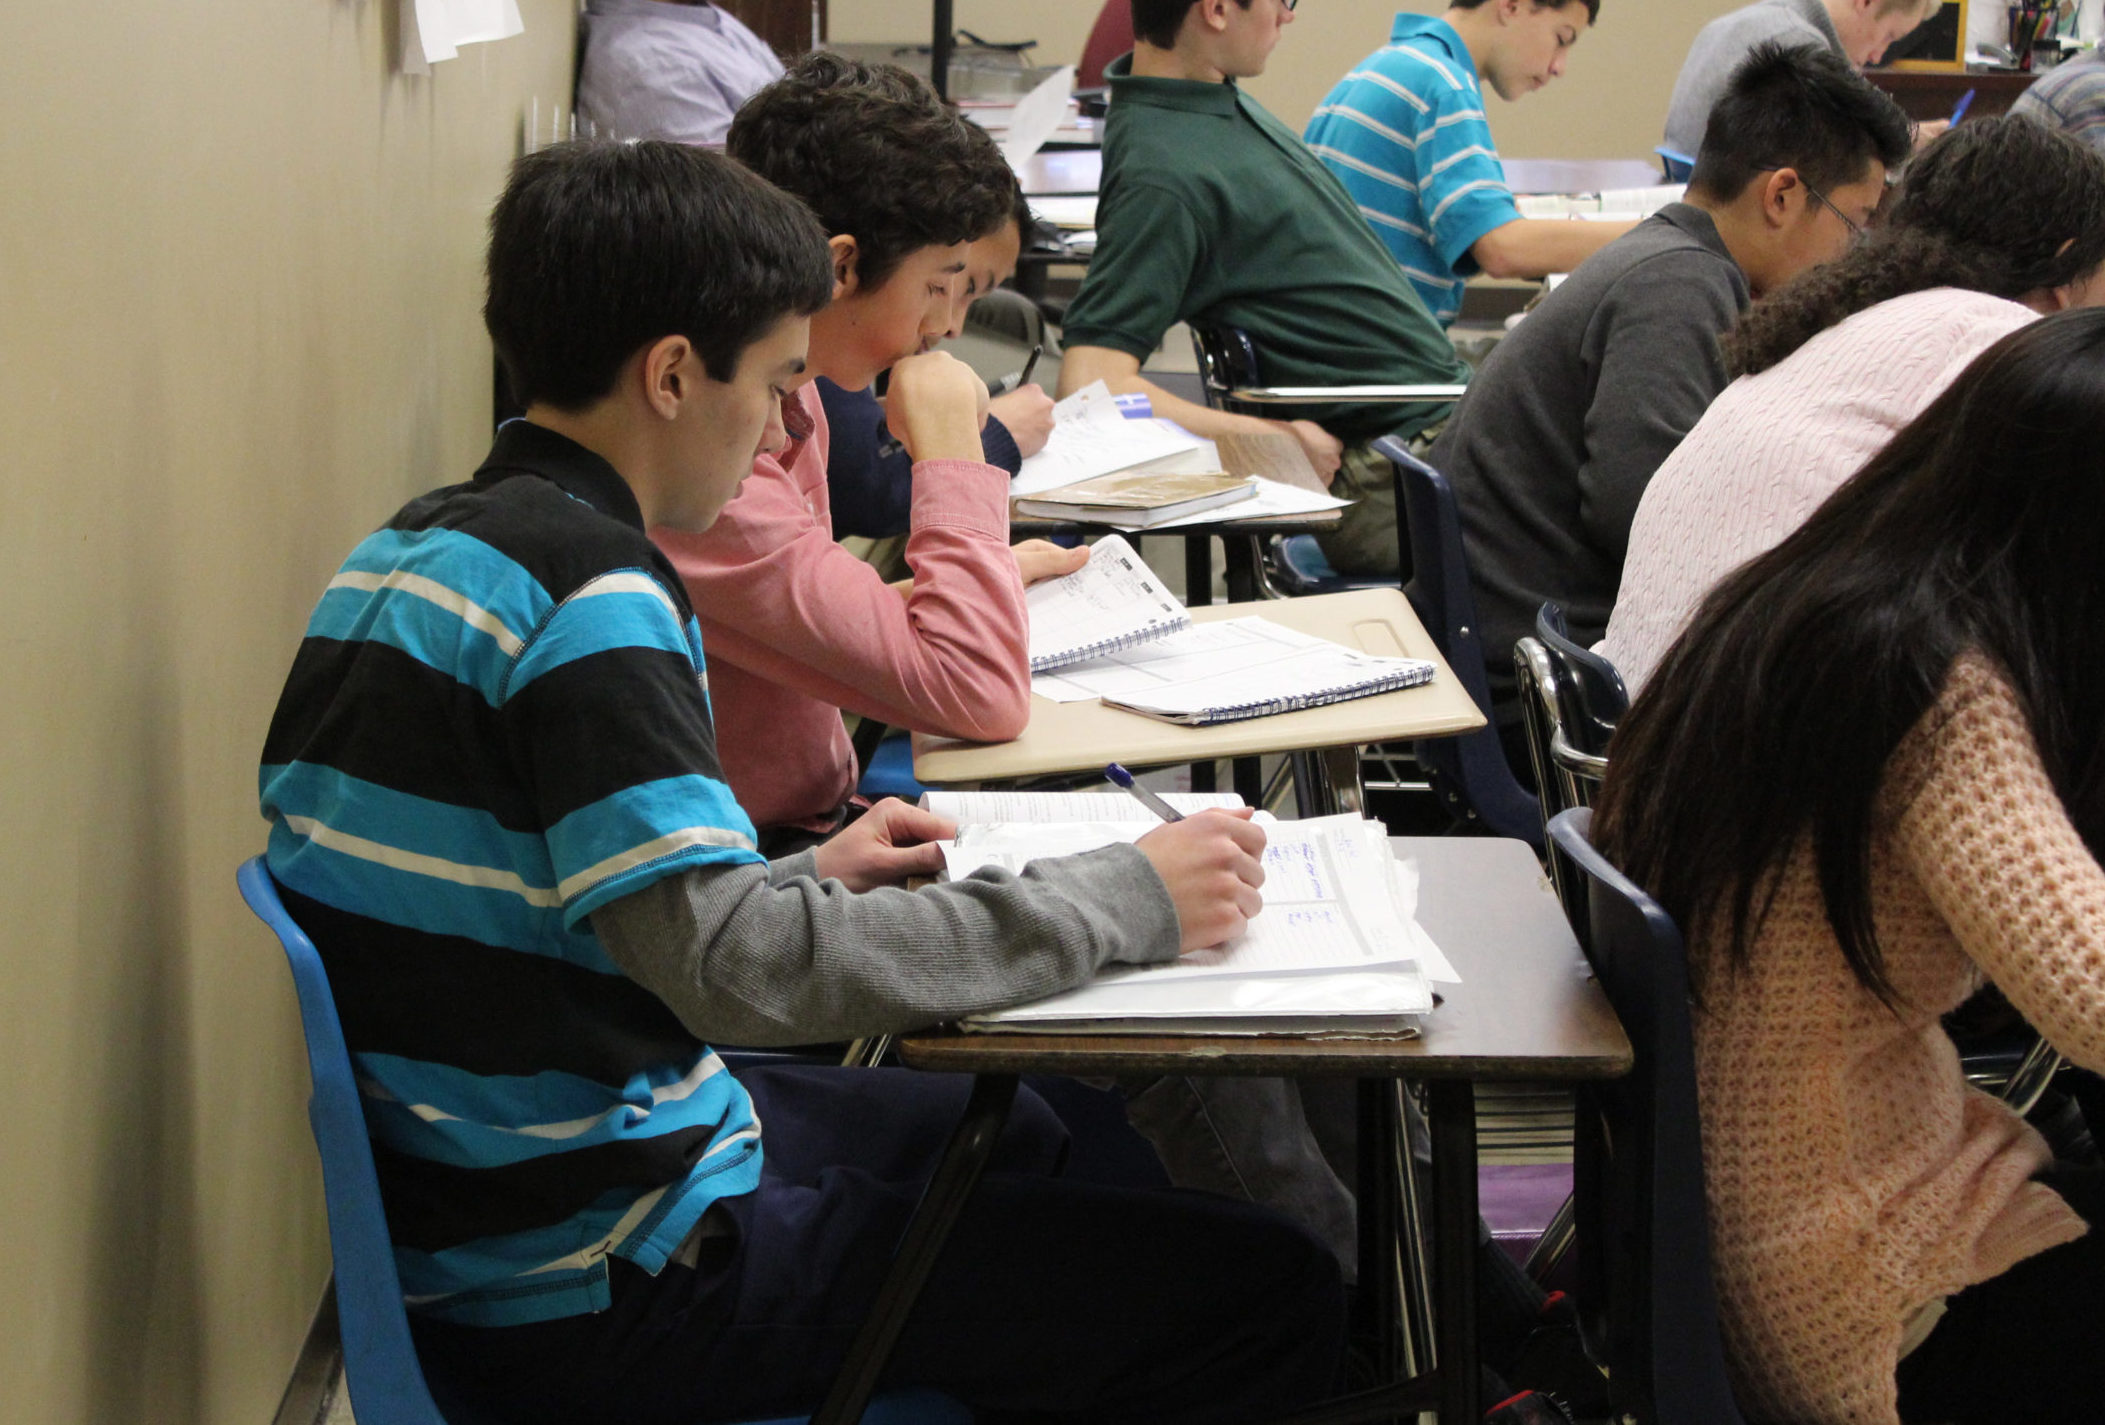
<point x="1853" y="1176"/>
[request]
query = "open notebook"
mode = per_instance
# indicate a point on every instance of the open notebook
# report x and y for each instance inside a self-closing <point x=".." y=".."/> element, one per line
<point x="1336" y="949"/>
<point x="1110" y="630"/>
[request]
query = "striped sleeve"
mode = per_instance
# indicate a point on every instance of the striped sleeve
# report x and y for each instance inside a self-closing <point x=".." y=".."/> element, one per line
<point x="607" y="713"/>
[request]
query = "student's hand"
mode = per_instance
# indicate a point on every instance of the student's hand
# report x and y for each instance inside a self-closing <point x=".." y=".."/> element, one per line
<point x="1211" y="864"/>
<point x="1038" y="559"/>
<point x="886" y="845"/>
<point x="1929" y="130"/>
<point x="1028" y="413"/>
<point x="1325" y="451"/>
<point x="936" y="408"/>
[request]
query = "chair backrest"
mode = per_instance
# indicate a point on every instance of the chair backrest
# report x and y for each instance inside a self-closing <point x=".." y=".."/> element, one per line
<point x="1559" y="788"/>
<point x="1470" y="771"/>
<point x="1595" y="695"/>
<point x="1111" y="37"/>
<point x="1642" y="1216"/>
<point x="1227" y="361"/>
<point x="380" y="1361"/>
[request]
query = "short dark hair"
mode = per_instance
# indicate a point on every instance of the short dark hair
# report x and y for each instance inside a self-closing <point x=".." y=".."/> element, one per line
<point x="878" y="156"/>
<point x="1157" y="21"/>
<point x="1593" y="7"/>
<point x="1802" y="108"/>
<point x="2002" y="205"/>
<point x="598" y="249"/>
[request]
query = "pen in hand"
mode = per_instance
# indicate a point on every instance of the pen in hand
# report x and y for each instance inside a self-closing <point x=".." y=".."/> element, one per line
<point x="1965" y="103"/>
<point x="1123" y="779"/>
<point x="1017" y="383"/>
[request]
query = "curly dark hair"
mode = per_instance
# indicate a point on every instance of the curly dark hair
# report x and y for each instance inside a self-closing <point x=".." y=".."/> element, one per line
<point x="2005" y="206"/>
<point x="878" y="156"/>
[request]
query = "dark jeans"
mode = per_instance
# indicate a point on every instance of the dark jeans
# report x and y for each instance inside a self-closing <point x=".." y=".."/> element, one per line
<point x="1054" y="1300"/>
<point x="2027" y="1347"/>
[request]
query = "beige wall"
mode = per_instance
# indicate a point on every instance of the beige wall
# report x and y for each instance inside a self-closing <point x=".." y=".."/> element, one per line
<point x="238" y="325"/>
<point x="1610" y="104"/>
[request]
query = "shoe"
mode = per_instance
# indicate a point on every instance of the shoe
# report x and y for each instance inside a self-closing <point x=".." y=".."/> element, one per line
<point x="1530" y="1407"/>
<point x="1556" y="1359"/>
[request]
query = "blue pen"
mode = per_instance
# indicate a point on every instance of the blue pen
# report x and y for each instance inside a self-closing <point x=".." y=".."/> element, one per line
<point x="1120" y="777"/>
<point x="1965" y="103"/>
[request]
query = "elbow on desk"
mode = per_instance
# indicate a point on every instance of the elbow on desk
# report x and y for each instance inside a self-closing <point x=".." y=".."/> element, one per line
<point x="1002" y="717"/>
<point x="1495" y="257"/>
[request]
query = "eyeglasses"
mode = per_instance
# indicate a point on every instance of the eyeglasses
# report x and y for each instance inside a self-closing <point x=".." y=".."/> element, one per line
<point x="1856" y="229"/>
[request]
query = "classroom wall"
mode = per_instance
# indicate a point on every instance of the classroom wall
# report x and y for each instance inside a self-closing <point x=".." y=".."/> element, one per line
<point x="1610" y="104"/>
<point x="239" y="291"/>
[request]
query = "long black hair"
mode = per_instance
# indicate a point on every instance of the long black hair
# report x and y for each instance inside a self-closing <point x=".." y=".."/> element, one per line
<point x="1982" y="526"/>
<point x="2002" y="205"/>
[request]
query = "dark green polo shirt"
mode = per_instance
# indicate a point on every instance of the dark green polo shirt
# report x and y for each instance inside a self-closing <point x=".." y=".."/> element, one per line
<point x="1213" y="209"/>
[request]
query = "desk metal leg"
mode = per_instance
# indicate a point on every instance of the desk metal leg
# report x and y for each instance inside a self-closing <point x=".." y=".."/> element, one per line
<point x="971" y="1145"/>
<point x="1326" y="782"/>
<point x="1453" y="1106"/>
<point x="1198" y="570"/>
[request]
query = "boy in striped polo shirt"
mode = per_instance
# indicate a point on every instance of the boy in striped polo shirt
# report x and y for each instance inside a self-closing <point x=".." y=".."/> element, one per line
<point x="1406" y="133"/>
<point x="496" y="808"/>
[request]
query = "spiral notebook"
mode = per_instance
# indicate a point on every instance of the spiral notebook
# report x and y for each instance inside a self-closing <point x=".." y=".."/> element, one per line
<point x="1112" y="602"/>
<point x="1230" y="670"/>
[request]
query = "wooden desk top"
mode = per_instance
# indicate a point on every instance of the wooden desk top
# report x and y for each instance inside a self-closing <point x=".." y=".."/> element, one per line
<point x="1526" y="1009"/>
<point x="1273" y="455"/>
<point x="1079" y="737"/>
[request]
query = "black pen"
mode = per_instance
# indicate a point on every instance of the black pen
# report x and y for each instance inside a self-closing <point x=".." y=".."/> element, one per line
<point x="1120" y="777"/>
<point x="1028" y="367"/>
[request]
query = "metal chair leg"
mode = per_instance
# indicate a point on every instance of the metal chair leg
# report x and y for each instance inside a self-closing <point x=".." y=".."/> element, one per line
<point x="1555" y="1242"/>
<point x="971" y="1145"/>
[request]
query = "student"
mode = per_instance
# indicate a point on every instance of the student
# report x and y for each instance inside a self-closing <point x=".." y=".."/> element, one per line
<point x="2070" y="96"/>
<point x="1999" y="221"/>
<point x="1212" y="210"/>
<point x="1859" y="31"/>
<point x="496" y="808"/>
<point x="1865" y="780"/>
<point x="667" y="69"/>
<point x="799" y="628"/>
<point x="869" y="479"/>
<point x="1553" y="445"/>
<point x="1405" y="133"/>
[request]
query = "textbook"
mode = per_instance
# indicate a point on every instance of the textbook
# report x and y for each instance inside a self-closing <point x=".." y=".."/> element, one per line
<point x="1112" y="602"/>
<point x="1092" y="436"/>
<point x="1136" y="499"/>
<point x="1336" y="948"/>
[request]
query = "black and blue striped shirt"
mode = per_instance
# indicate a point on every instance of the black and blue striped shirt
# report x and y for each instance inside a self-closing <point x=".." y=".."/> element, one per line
<point x="497" y="723"/>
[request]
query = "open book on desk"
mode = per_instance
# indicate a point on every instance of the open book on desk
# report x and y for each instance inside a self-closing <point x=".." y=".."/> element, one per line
<point x="1336" y="948"/>
<point x="1091" y="436"/>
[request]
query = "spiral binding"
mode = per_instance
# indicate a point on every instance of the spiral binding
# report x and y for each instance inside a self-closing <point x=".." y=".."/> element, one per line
<point x="1323" y="697"/>
<point x="1046" y="663"/>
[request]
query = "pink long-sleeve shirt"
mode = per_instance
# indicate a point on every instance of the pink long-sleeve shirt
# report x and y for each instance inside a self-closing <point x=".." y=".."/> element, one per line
<point x="797" y="628"/>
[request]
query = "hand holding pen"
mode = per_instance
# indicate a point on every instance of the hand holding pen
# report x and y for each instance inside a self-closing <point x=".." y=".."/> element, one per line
<point x="1211" y="865"/>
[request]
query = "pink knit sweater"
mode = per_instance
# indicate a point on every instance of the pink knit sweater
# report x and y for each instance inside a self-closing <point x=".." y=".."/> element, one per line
<point x="1853" y="1176"/>
<point x="796" y="628"/>
<point x="1773" y="447"/>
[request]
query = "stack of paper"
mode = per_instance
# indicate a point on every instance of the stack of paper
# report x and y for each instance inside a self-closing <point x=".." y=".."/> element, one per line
<point x="1141" y="499"/>
<point x="1337" y="948"/>
<point x="1091" y="437"/>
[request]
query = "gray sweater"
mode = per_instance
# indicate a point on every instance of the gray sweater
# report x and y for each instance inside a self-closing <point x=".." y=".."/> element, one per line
<point x="760" y="955"/>
<point x="1570" y="416"/>
<point x="1720" y="48"/>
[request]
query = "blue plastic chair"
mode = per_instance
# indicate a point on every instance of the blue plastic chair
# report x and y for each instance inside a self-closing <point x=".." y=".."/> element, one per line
<point x="1678" y="166"/>
<point x="1469" y="772"/>
<point x="1643" y="1220"/>
<point x="380" y="1361"/>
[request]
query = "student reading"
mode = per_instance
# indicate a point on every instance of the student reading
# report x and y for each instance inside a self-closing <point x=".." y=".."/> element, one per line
<point x="1858" y="31"/>
<point x="1552" y="447"/>
<point x="797" y="626"/>
<point x="496" y="807"/>
<point x="1870" y="776"/>
<point x="1406" y="134"/>
<point x="1214" y="211"/>
<point x="1999" y="221"/>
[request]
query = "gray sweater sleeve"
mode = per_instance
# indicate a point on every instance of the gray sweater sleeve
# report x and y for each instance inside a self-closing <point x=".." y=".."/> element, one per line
<point x="761" y="955"/>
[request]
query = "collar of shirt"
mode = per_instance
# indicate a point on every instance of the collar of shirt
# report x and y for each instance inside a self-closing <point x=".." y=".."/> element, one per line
<point x="1193" y="96"/>
<point x="706" y="16"/>
<point x="1446" y="36"/>
<point x="523" y="448"/>
<point x="1815" y="12"/>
